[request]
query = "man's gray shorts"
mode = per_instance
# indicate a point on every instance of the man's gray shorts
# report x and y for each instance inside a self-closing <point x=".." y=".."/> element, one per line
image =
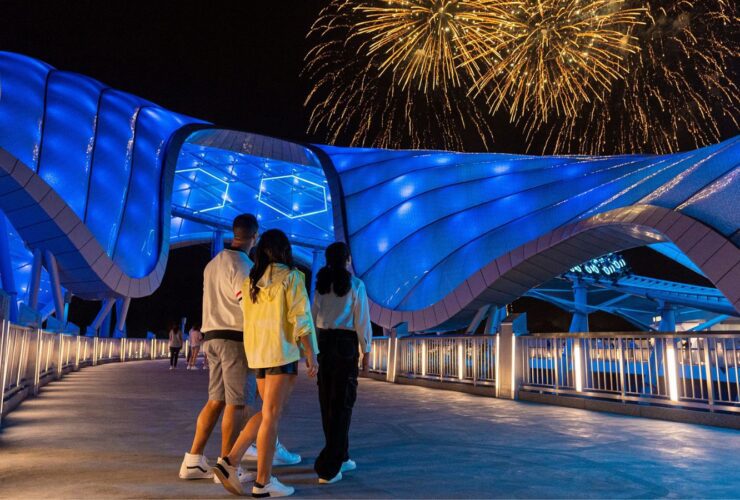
<point x="228" y="373"/>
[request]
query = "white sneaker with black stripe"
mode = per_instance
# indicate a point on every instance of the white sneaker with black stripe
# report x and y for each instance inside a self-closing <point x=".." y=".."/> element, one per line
<point x="228" y="476"/>
<point x="272" y="489"/>
<point x="195" y="467"/>
<point x="245" y="476"/>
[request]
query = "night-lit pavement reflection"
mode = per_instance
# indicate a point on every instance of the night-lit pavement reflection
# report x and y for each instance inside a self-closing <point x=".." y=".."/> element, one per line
<point x="119" y="430"/>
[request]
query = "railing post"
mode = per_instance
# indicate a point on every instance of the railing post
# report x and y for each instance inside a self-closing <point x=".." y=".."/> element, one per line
<point x="399" y="330"/>
<point x="671" y="369"/>
<point x="578" y="363"/>
<point x="475" y="361"/>
<point x="708" y="372"/>
<point x="556" y="360"/>
<point x="508" y="376"/>
<point x="620" y="343"/>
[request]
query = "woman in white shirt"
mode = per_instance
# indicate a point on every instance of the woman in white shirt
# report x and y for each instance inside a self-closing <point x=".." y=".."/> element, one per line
<point x="342" y="318"/>
<point x="196" y="337"/>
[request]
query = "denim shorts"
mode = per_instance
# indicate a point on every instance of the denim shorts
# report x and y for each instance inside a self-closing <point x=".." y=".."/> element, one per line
<point x="289" y="369"/>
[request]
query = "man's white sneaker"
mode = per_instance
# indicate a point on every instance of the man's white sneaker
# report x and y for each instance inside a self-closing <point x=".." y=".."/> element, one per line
<point x="195" y="467"/>
<point x="245" y="476"/>
<point x="282" y="455"/>
<point x="333" y="480"/>
<point x="229" y="477"/>
<point x="272" y="489"/>
<point x="348" y="465"/>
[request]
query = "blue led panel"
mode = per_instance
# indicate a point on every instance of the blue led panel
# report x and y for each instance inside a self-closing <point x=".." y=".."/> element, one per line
<point x="140" y="236"/>
<point x="69" y="136"/>
<point x="22" y="105"/>
<point x="111" y="169"/>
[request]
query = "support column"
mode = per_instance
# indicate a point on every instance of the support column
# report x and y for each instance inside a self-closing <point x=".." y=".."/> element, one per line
<point x="579" y="322"/>
<point x="121" y="313"/>
<point x="104" y="313"/>
<point x="496" y="315"/>
<point x="397" y="332"/>
<point x="217" y="242"/>
<point x="67" y="302"/>
<point x="508" y="369"/>
<point x="105" y="327"/>
<point x="35" y="284"/>
<point x="478" y="318"/>
<point x="667" y="313"/>
<point x="56" y="285"/>
<point x="6" y="268"/>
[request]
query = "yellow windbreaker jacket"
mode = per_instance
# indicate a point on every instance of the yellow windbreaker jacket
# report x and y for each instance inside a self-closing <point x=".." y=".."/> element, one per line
<point x="281" y="316"/>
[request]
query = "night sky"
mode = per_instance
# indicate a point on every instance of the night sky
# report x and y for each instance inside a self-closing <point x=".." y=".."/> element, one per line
<point x="235" y="63"/>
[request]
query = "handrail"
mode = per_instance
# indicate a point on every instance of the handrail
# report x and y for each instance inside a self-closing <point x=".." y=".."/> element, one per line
<point x="692" y="370"/>
<point x="727" y="334"/>
<point x="30" y="358"/>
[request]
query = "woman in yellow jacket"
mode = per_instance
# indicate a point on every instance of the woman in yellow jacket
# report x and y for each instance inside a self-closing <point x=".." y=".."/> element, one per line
<point x="277" y="317"/>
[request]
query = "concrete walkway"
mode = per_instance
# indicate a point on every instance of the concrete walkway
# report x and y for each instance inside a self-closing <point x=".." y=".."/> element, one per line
<point x="120" y="430"/>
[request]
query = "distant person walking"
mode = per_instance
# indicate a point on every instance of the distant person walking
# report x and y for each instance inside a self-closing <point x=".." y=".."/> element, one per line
<point x="277" y="318"/>
<point x="196" y="337"/>
<point x="175" y="344"/>
<point x="342" y="317"/>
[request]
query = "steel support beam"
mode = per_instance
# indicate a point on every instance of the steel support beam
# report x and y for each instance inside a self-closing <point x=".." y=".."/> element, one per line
<point x="122" y="306"/>
<point x="56" y="284"/>
<point x="35" y="284"/>
<point x="105" y="310"/>
<point x="579" y="323"/>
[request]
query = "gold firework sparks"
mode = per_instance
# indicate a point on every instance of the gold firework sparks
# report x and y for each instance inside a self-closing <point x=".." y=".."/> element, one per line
<point x="557" y="54"/>
<point x="423" y="42"/>
<point x="680" y="92"/>
<point x="377" y="87"/>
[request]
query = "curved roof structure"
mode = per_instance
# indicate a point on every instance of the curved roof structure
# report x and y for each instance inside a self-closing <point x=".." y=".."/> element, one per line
<point x="106" y="181"/>
<point x="83" y="174"/>
<point x="437" y="235"/>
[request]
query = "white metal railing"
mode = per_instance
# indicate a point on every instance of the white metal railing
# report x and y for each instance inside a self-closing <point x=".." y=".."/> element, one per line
<point x="29" y="358"/>
<point x="379" y="355"/>
<point x="464" y="359"/>
<point x="697" y="371"/>
<point x="686" y="370"/>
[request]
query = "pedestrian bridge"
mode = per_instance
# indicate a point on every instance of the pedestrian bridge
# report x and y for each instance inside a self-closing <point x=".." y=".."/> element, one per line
<point x="120" y="430"/>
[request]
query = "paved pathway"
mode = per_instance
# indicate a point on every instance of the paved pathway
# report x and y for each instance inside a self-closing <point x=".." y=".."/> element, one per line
<point x="119" y="430"/>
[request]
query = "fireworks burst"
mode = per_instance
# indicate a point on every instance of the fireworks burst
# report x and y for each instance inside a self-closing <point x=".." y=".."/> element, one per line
<point x="429" y="43"/>
<point x="574" y="76"/>
<point x="557" y="54"/>
<point x="680" y="92"/>
<point x="385" y="74"/>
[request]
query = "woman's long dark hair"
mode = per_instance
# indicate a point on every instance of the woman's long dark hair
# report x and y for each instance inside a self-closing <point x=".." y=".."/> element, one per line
<point x="272" y="248"/>
<point x="335" y="273"/>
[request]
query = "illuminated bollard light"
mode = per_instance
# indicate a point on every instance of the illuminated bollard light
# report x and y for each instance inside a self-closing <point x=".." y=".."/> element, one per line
<point x="578" y="364"/>
<point x="672" y="370"/>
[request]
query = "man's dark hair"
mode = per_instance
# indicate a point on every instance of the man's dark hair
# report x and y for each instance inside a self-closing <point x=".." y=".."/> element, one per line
<point x="245" y="226"/>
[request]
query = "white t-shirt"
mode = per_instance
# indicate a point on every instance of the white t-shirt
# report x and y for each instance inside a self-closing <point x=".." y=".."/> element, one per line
<point x="222" y="290"/>
<point x="349" y="312"/>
